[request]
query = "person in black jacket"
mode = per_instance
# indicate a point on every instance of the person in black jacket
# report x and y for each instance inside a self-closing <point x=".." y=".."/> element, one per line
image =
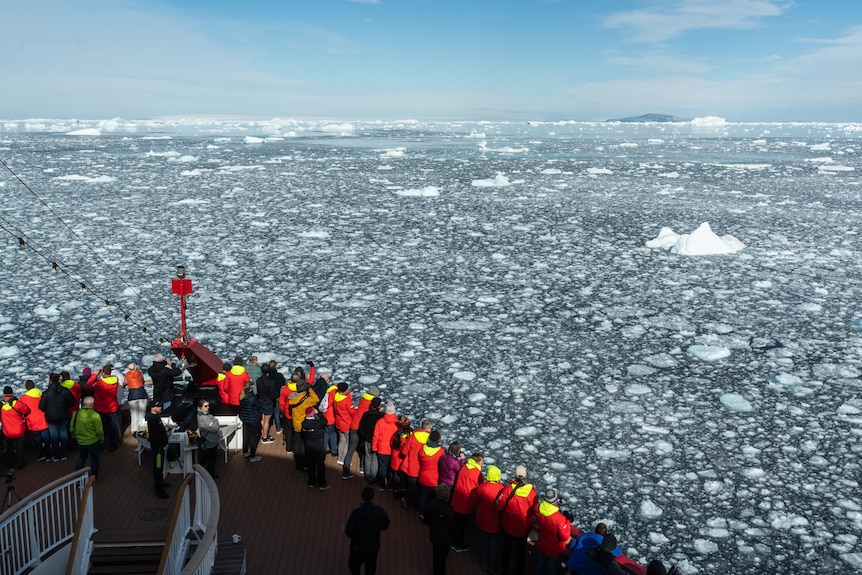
<point x="278" y="378"/>
<point x="441" y="527"/>
<point x="57" y="402"/>
<point x="313" y="428"/>
<point x="367" y="423"/>
<point x="163" y="373"/>
<point x="268" y="397"/>
<point x="158" y="437"/>
<point x="364" y="527"/>
<point x="600" y="560"/>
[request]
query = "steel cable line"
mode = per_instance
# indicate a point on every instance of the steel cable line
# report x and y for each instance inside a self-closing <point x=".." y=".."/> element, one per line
<point x="67" y="270"/>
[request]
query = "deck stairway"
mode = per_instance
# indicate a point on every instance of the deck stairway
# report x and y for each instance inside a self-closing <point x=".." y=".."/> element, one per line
<point x="141" y="559"/>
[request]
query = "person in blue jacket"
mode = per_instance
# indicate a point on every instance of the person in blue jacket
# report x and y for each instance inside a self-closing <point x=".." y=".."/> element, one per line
<point x="586" y="540"/>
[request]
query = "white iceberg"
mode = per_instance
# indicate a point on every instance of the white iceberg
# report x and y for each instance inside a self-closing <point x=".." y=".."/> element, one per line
<point x="701" y="242"/>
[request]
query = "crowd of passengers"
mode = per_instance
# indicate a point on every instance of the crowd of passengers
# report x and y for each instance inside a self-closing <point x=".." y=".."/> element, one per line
<point x="318" y="416"/>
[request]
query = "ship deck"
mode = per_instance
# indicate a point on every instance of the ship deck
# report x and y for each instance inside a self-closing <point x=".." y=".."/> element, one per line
<point x="287" y="527"/>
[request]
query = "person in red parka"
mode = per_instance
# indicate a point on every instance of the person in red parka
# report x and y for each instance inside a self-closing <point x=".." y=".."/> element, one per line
<point x="488" y="520"/>
<point x="12" y="414"/>
<point x="381" y="444"/>
<point x="353" y="443"/>
<point x="410" y="460"/>
<point x="429" y="468"/>
<point x="343" y="409"/>
<point x="36" y="422"/>
<point x="554" y="533"/>
<point x="517" y="502"/>
<point x="468" y="479"/>
<point x="104" y="386"/>
<point x="232" y="385"/>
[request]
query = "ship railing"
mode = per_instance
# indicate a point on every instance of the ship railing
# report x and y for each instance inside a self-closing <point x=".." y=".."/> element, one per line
<point x="82" y="544"/>
<point x="177" y="543"/>
<point x="206" y="521"/>
<point x="40" y="523"/>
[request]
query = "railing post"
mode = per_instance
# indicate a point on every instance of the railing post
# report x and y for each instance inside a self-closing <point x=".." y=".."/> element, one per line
<point x="33" y="539"/>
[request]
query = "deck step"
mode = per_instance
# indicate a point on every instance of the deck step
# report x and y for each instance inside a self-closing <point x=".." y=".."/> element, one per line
<point x="126" y="560"/>
<point x="230" y="558"/>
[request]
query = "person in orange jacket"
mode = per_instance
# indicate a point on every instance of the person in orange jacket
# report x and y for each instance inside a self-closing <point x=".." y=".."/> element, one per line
<point x="232" y="385"/>
<point x="554" y="533"/>
<point x="104" y="385"/>
<point x="36" y="422"/>
<point x="429" y="468"/>
<point x="516" y="501"/>
<point x="468" y="479"/>
<point x="410" y="461"/>
<point x="138" y="397"/>
<point x="12" y="414"/>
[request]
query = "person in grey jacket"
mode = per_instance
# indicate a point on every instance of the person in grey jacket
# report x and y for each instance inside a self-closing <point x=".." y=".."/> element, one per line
<point x="208" y="431"/>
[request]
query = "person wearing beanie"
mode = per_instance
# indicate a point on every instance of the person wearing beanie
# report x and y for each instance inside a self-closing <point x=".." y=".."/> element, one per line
<point x="429" y="468"/>
<point x="12" y="414"/>
<point x="363" y="527"/>
<point x="516" y="501"/>
<point x="554" y="533"/>
<point x="468" y="479"/>
<point x="158" y="438"/>
<point x="488" y="519"/>
<point x="313" y="430"/>
<point x="381" y="445"/>
<point x="367" y="424"/>
<point x="600" y="560"/>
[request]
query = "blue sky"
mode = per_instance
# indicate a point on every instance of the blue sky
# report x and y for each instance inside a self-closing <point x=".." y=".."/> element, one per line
<point x="743" y="60"/>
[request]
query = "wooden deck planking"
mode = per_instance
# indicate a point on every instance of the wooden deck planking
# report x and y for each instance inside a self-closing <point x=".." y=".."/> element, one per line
<point x="287" y="527"/>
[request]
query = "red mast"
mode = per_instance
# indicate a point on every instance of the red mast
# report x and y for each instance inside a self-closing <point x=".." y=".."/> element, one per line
<point x="202" y="364"/>
<point x="182" y="287"/>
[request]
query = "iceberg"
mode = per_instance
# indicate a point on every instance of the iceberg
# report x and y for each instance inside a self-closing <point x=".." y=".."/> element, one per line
<point x="701" y="242"/>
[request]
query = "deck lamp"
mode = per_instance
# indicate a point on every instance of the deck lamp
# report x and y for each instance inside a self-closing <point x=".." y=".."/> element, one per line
<point x="181" y="272"/>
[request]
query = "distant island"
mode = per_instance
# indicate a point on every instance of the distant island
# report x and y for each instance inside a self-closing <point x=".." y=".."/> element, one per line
<point x="651" y="118"/>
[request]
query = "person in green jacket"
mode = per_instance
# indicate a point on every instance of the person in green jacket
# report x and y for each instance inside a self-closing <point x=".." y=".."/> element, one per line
<point x="86" y="427"/>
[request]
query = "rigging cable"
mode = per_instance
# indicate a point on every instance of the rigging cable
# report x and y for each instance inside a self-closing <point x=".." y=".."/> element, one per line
<point x="56" y="265"/>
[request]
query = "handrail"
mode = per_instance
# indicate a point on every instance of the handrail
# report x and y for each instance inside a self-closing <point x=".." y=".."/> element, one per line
<point x="79" y="555"/>
<point x="176" y="534"/>
<point x="201" y="563"/>
<point x="41" y="522"/>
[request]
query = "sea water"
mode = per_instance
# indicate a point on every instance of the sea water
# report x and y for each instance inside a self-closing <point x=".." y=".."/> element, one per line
<point x="495" y="278"/>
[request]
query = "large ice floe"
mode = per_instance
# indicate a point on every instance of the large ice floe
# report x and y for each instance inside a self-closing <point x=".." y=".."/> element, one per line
<point x="701" y="242"/>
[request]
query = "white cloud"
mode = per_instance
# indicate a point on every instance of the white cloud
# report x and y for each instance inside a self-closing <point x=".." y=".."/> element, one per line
<point x="674" y="18"/>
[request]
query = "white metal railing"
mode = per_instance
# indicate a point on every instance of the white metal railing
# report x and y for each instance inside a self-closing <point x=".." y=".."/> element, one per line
<point x="40" y="523"/>
<point x="206" y="520"/>
<point x="176" y="546"/>
<point x="82" y="546"/>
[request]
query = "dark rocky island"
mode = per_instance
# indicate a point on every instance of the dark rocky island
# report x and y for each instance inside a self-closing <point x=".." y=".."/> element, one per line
<point x="650" y="118"/>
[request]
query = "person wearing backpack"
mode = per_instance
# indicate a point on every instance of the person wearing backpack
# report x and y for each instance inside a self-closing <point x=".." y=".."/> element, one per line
<point x="516" y="501"/>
